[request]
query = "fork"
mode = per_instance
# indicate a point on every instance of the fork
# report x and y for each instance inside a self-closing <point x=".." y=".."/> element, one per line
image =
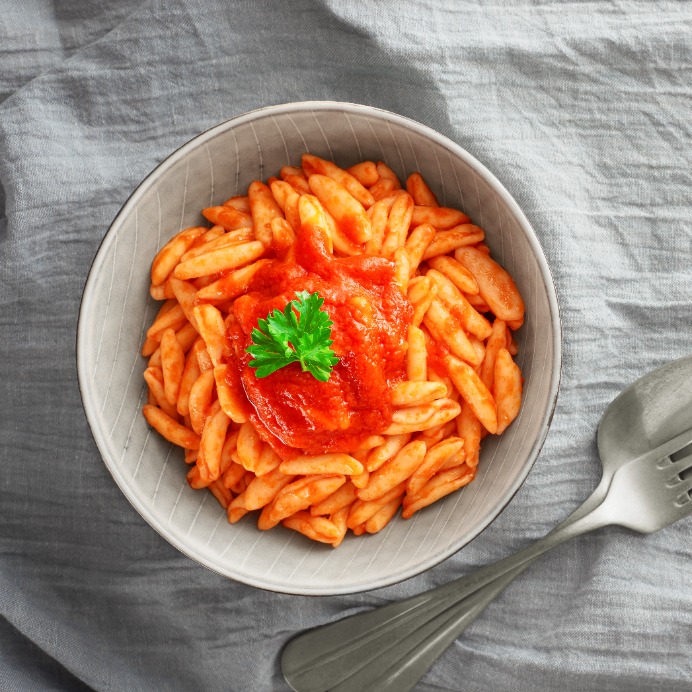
<point x="389" y="649"/>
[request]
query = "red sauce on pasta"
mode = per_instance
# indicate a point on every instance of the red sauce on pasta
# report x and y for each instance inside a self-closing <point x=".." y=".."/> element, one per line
<point x="295" y="412"/>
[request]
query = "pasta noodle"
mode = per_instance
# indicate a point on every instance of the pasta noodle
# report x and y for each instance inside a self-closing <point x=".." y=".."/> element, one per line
<point x="453" y="381"/>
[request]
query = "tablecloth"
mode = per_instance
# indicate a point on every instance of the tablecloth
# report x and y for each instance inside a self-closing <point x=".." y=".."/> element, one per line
<point x="582" y="109"/>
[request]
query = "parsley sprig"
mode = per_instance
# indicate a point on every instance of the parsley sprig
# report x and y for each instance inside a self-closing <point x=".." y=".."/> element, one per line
<point x="286" y="337"/>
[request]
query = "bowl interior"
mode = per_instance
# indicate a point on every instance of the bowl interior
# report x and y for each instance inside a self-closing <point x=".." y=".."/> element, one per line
<point x="116" y="310"/>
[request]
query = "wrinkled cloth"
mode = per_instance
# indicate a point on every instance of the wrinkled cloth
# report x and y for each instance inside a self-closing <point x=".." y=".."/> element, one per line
<point x="581" y="109"/>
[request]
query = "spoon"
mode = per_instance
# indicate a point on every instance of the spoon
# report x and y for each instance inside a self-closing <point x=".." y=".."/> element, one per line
<point x="391" y="648"/>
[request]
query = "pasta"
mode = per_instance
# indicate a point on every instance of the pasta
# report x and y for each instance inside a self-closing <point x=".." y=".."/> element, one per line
<point x="421" y="327"/>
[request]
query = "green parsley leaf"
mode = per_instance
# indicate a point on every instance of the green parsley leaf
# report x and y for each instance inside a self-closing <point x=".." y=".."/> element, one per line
<point x="300" y="334"/>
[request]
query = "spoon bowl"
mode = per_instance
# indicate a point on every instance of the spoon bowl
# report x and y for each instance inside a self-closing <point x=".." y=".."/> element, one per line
<point x="652" y="410"/>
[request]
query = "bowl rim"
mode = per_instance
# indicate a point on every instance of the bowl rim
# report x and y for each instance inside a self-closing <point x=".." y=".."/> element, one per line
<point x="178" y="154"/>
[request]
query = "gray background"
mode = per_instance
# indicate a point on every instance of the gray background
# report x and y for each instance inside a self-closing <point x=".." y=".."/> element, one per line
<point x="581" y="109"/>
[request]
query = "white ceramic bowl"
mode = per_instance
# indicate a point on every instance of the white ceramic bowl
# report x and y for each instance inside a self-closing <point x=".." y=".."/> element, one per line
<point x="116" y="310"/>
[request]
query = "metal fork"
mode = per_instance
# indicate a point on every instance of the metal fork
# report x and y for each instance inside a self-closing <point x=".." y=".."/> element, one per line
<point x="389" y="649"/>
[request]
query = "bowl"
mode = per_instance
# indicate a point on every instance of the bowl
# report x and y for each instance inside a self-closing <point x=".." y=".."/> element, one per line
<point x="116" y="310"/>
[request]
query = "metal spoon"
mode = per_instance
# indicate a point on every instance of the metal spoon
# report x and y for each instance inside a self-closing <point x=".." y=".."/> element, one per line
<point x="391" y="648"/>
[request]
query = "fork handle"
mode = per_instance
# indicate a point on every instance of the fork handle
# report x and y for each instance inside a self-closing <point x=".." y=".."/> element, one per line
<point x="391" y="647"/>
<point x="400" y="667"/>
<point x="576" y="524"/>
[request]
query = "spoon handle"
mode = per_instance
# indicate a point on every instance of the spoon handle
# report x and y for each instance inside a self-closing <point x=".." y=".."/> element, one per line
<point x="391" y="647"/>
<point x="400" y="667"/>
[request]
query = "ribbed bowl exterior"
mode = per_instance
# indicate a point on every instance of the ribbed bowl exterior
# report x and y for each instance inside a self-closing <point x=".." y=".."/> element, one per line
<point x="116" y="310"/>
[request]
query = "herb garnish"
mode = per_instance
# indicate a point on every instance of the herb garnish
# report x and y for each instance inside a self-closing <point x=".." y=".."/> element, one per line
<point x="305" y="338"/>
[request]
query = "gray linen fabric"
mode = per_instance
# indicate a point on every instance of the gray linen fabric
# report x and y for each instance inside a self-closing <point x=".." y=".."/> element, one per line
<point x="582" y="110"/>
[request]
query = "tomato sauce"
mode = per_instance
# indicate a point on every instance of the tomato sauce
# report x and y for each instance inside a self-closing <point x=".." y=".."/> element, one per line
<point x="292" y="410"/>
